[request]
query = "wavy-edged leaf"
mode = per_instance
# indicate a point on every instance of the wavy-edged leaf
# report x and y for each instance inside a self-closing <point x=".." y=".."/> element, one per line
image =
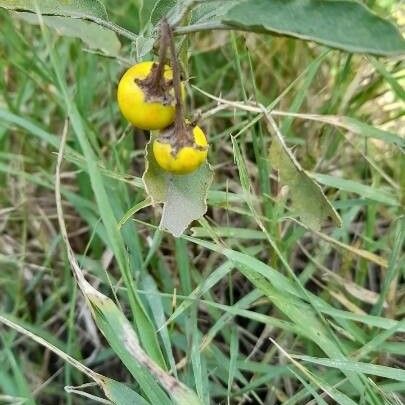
<point x="184" y="197"/>
<point x="211" y="11"/>
<point x="161" y="8"/>
<point x="142" y="46"/>
<point x="307" y="197"/>
<point x="92" y="34"/>
<point x="67" y="8"/>
<point x="145" y="10"/>
<point x="173" y="10"/>
<point x="342" y="24"/>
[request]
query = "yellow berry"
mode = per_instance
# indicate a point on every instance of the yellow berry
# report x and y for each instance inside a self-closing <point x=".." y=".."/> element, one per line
<point x="133" y="99"/>
<point x="187" y="159"/>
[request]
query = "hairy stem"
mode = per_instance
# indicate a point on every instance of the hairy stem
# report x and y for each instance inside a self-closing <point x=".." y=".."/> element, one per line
<point x="180" y="129"/>
<point x="157" y="74"/>
<point x="208" y="26"/>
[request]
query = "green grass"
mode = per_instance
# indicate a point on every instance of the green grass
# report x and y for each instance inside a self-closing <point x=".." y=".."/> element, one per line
<point x="249" y="304"/>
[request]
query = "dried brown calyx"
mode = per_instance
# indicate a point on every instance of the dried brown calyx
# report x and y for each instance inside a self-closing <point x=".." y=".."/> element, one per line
<point x="181" y="133"/>
<point x="155" y="87"/>
<point x="180" y="136"/>
<point x="177" y="137"/>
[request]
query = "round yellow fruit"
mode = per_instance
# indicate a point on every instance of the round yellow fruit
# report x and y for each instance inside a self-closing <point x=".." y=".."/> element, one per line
<point x="187" y="159"/>
<point x="142" y="109"/>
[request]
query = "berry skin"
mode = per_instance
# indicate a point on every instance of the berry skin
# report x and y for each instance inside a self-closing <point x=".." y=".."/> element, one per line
<point x="187" y="159"/>
<point x="150" y="112"/>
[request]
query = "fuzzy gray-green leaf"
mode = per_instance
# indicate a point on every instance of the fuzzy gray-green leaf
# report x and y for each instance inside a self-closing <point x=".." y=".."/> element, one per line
<point x="183" y="196"/>
<point x="67" y="8"/>
<point x="93" y="35"/>
<point x="307" y="197"/>
<point x="346" y="25"/>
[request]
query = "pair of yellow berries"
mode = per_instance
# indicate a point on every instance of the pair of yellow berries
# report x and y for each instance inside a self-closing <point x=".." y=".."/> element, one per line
<point x="157" y="115"/>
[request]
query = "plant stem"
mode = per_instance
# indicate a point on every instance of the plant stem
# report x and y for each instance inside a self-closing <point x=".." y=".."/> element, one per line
<point x="179" y="123"/>
<point x="209" y="26"/>
<point x="164" y="42"/>
<point x="157" y="78"/>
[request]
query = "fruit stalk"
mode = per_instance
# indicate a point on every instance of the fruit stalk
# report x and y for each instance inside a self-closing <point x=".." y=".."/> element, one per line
<point x="156" y="78"/>
<point x="181" y="131"/>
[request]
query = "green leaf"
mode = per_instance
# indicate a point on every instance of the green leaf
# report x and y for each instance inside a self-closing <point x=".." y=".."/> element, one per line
<point x="143" y="322"/>
<point x="211" y="11"/>
<point x="143" y="45"/>
<point x="124" y="341"/>
<point x="67" y="8"/>
<point x="286" y="296"/>
<point x="184" y="197"/>
<point x="152" y="11"/>
<point x="214" y="278"/>
<point x="230" y="232"/>
<point x="117" y="392"/>
<point x="307" y="197"/>
<point x="133" y="210"/>
<point x="357" y="367"/>
<point x="390" y="78"/>
<point x="160" y="9"/>
<point x="145" y="10"/>
<point x="346" y="25"/>
<point x="149" y="286"/>
<point x="352" y="186"/>
<point x="115" y="326"/>
<point x="394" y="266"/>
<point x="357" y="127"/>
<point x="120" y="394"/>
<point x="92" y="34"/>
